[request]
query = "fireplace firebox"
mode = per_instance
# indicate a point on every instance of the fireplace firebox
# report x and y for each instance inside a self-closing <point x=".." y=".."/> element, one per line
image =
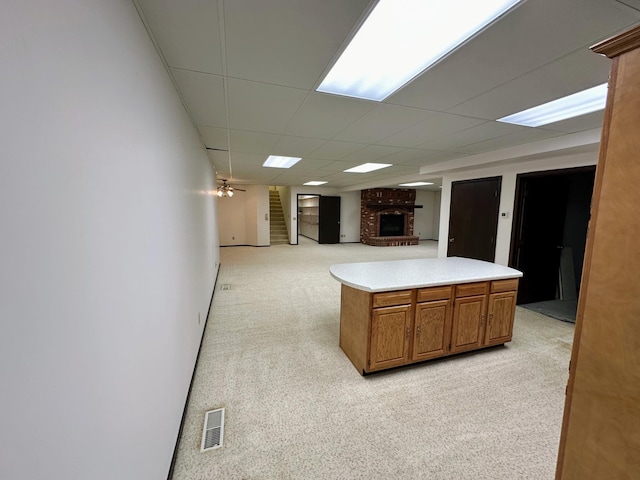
<point x="391" y="225"/>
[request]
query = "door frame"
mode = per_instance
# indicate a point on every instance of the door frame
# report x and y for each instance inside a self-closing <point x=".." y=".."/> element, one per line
<point x="298" y="195"/>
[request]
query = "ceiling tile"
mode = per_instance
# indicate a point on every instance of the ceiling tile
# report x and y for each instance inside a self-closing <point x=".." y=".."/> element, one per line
<point x="373" y="153"/>
<point x="259" y="107"/>
<point x="631" y="3"/>
<point x="253" y="142"/>
<point x="324" y="115"/>
<point x="570" y="74"/>
<point x="519" y="138"/>
<point x="433" y="127"/>
<point x="187" y="33"/>
<point x="214" y="137"/>
<point x="420" y="157"/>
<point x="296" y="146"/>
<point x="265" y="39"/>
<point x="336" y="150"/>
<point x="277" y="51"/>
<point x="381" y="122"/>
<point x="578" y="124"/>
<point x="485" y="131"/>
<point x="532" y="35"/>
<point x="203" y="95"/>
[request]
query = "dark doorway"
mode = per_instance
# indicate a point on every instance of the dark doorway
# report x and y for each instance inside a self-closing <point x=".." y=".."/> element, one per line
<point x="391" y="225"/>
<point x="329" y="220"/>
<point x="551" y="217"/>
<point x="473" y="220"/>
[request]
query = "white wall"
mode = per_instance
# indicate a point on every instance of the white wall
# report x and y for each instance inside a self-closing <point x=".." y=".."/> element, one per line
<point x="350" y="217"/>
<point x="232" y="220"/>
<point x="243" y="219"/>
<point x="435" y="232"/>
<point x="423" y="217"/>
<point x="507" y="195"/>
<point x="108" y="245"/>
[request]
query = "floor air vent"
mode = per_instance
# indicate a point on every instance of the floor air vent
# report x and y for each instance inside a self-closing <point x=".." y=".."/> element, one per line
<point x="225" y="286"/>
<point x="213" y="430"/>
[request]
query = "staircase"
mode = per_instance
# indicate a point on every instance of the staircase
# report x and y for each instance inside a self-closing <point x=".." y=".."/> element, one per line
<point x="279" y="235"/>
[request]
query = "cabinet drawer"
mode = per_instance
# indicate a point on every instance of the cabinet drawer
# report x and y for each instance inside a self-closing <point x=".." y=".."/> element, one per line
<point x="504" y="285"/>
<point x="434" y="293"/>
<point x="470" y="289"/>
<point x="386" y="299"/>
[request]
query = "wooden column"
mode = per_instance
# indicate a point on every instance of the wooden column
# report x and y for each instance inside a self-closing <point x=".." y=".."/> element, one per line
<point x="601" y="428"/>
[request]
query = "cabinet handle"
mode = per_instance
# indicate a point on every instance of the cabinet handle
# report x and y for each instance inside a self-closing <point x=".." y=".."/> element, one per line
<point x="408" y="333"/>
<point x="482" y="319"/>
<point x="490" y="317"/>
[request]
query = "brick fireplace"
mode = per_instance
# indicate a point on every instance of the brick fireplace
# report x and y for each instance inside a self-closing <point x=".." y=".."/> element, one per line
<point x="386" y="217"/>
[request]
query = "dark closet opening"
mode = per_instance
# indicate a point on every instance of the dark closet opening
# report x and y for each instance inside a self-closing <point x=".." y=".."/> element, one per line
<point x="551" y="217"/>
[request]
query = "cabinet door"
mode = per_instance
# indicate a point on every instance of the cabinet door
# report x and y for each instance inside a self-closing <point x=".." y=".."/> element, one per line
<point x="390" y="334"/>
<point x="501" y="310"/>
<point x="432" y="330"/>
<point x="467" y="332"/>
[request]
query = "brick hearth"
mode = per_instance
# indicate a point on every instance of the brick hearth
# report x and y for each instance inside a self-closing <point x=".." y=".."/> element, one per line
<point x="386" y="201"/>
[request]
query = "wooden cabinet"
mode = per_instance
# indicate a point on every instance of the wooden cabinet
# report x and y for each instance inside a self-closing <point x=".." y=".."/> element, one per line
<point x="501" y="310"/>
<point x="468" y="323"/>
<point x="390" y="335"/>
<point x="391" y="329"/>
<point x="469" y="313"/>
<point x="432" y="330"/>
<point x="601" y="429"/>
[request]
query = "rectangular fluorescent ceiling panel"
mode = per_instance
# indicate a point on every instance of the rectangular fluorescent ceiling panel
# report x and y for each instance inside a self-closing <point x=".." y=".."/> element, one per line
<point x="401" y="39"/>
<point x="415" y="184"/>
<point x="280" y="162"/>
<point x="367" y="167"/>
<point x="314" y="183"/>
<point x="581" y="103"/>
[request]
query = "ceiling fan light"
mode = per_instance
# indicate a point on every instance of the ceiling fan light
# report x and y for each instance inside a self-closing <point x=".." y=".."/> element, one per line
<point x="230" y="192"/>
<point x="220" y="192"/>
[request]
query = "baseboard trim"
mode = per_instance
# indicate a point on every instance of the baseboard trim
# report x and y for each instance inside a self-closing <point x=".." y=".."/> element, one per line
<point x="193" y="374"/>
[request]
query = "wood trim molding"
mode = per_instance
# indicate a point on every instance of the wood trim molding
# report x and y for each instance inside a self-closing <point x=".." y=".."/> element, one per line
<point x="619" y="44"/>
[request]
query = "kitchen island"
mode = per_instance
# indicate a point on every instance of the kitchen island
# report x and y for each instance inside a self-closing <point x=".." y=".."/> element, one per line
<point x="400" y="312"/>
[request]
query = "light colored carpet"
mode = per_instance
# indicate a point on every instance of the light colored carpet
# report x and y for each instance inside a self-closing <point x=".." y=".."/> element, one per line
<point x="296" y="408"/>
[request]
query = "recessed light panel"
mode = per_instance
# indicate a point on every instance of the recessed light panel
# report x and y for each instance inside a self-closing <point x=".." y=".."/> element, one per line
<point x="581" y="103"/>
<point x="415" y="184"/>
<point x="368" y="167"/>
<point x="280" y="162"/>
<point x="314" y="183"/>
<point x="400" y="39"/>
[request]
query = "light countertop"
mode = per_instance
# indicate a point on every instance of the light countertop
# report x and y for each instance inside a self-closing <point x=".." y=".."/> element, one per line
<point x="418" y="273"/>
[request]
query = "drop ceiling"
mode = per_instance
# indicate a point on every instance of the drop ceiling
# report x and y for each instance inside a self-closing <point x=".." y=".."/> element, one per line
<point x="247" y="70"/>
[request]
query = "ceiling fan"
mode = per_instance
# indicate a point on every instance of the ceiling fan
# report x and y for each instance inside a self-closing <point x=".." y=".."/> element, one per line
<point x="226" y="190"/>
